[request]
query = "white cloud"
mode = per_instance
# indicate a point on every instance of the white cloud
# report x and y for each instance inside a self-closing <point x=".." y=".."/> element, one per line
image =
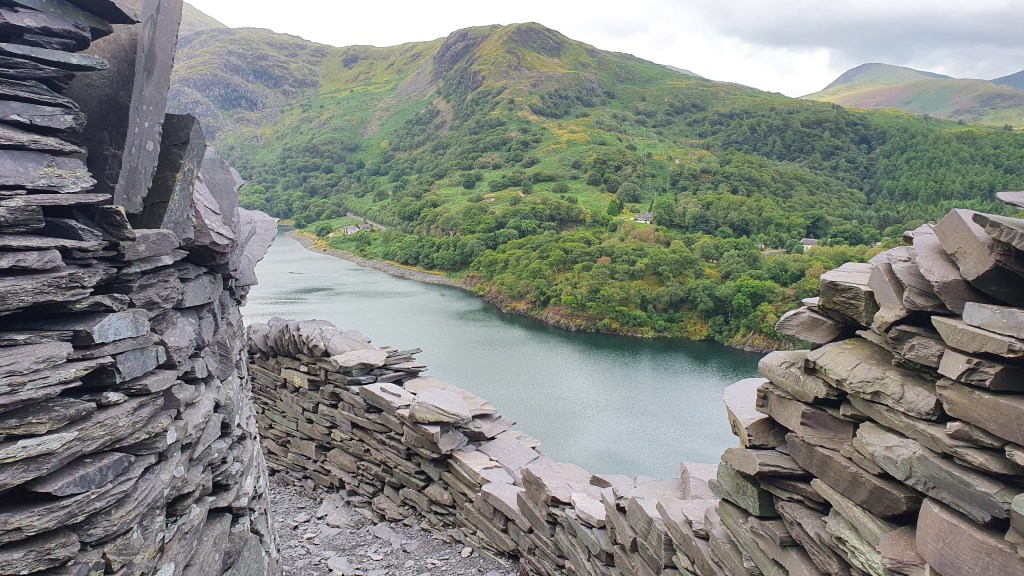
<point x="789" y="46"/>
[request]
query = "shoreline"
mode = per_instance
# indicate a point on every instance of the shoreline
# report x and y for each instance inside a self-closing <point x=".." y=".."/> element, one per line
<point x="310" y="243"/>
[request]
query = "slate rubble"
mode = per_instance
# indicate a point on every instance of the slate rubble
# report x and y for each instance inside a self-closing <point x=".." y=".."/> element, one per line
<point x="894" y="446"/>
<point x="128" y="439"/>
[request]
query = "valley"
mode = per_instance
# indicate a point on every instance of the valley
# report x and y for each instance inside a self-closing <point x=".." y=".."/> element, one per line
<point x="516" y="160"/>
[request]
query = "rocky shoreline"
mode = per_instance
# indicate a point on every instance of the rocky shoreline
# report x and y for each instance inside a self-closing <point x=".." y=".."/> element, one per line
<point x="310" y="243"/>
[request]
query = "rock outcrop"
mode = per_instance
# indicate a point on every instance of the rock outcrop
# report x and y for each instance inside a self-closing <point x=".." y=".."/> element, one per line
<point x="128" y="439"/>
<point x="892" y="447"/>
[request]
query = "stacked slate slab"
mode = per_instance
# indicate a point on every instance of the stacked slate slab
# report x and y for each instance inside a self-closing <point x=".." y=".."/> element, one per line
<point x="128" y="438"/>
<point x="894" y="446"/>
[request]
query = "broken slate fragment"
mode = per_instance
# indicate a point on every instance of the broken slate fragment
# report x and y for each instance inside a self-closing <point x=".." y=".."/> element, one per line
<point x="993" y="267"/>
<point x="1000" y="319"/>
<point x="440" y="407"/>
<point x="754" y="429"/>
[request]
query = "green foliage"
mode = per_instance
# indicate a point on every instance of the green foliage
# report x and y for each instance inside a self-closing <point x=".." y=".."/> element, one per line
<point x="513" y="160"/>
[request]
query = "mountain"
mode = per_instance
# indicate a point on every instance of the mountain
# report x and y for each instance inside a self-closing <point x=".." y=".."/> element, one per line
<point x="882" y="75"/>
<point x="1013" y="80"/>
<point x="515" y="159"/>
<point x="882" y="86"/>
<point x="193" y="20"/>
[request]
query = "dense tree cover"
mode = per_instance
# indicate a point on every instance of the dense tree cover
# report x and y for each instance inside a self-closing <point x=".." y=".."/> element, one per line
<point x="523" y="183"/>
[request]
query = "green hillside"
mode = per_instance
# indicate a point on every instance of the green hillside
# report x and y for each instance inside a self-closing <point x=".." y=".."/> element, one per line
<point x="1013" y="80"/>
<point x="514" y="159"/>
<point x="192" y="20"/>
<point x="883" y="87"/>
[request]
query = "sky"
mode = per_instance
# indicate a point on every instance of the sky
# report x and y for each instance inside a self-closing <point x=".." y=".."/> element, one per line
<point x="795" y="47"/>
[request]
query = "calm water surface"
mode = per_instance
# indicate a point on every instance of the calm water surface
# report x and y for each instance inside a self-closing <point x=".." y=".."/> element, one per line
<point x="610" y="404"/>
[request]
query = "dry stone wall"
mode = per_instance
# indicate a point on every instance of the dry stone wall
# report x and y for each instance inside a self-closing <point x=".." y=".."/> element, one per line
<point x="128" y="439"/>
<point x="894" y="446"/>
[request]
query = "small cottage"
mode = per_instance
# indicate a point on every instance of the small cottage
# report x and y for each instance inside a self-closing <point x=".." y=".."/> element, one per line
<point x="645" y="218"/>
<point x="809" y="243"/>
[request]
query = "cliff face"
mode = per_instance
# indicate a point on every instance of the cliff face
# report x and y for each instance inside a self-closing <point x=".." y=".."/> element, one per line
<point x="895" y="446"/>
<point x="128" y="440"/>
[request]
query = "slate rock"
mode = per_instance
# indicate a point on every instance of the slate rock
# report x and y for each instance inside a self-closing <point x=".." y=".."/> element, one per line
<point x="809" y="326"/>
<point x="169" y="202"/>
<point x="786" y="370"/>
<point x="758" y="463"/>
<point x="439" y="407"/>
<point x="39" y="553"/>
<point x="80" y="199"/>
<point x="962" y="336"/>
<point x="754" y="429"/>
<point x="918" y="292"/>
<point x="21" y="218"/>
<point x="982" y="498"/>
<point x="12" y="138"/>
<point x="257" y="232"/>
<point x="743" y="491"/>
<point x="1012" y="198"/>
<point x="149" y="243"/>
<point x="982" y="372"/>
<point x="55" y="58"/>
<point x="1000" y="319"/>
<point x="996" y="413"/>
<point x="995" y="268"/>
<point x="916" y="345"/>
<point x="82" y="475"/>
<point x="40" y="171"/>
<point x="953" y="545"/>
<point x="44" y="417"/>
<point x="811" y="423"/>
<point x="845" y="293"/>
<point x="860" y="368"/>
<point x="92" y="329"/>
<point x="31" y="115"/>
<point x="933" y="435"/>
<point x="113" y="11"/>
<point x="942" y="272"/>
<point x="1007" y="230"/>
<point x="882" y="497"/>
<point x="22" y="291"/>
<point x="888" y="292"/>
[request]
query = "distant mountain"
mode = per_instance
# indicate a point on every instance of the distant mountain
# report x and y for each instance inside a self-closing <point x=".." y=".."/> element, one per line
<point x="683" y="71"/>
<point x="1013" y="80"/>
<point x="882" y="86"/>
<point x="192" y="21"/>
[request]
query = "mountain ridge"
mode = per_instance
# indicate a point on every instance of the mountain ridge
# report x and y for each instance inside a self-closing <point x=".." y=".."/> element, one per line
<point x="876" y="86"/>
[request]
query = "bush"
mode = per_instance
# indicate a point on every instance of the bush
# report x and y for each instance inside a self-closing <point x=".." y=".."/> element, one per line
<point x="560" y="188"/>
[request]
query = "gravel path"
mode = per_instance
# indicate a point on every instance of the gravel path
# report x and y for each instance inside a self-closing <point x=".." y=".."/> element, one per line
<point x="321" y="535"/>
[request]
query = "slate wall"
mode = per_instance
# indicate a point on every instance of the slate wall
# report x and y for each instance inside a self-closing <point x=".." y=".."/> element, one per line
<point x="893" y="446"/>
<point x="128" y="438"/>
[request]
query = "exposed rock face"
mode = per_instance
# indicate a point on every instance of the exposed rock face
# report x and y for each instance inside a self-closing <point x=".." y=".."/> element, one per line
<point x="128" y="438"/>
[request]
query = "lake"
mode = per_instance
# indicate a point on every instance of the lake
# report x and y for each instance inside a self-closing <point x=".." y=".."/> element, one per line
<point x="608" y="403"/>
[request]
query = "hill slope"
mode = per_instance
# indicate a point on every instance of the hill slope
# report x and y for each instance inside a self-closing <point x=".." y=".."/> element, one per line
<point x="514" y="158"/>
<point x="1013" y="80"/>
<point x="193" y="20"/>
<point x="881" y="86"/>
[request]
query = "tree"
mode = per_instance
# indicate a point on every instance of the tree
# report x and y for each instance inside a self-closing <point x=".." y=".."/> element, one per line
<point x="468" y="181"/>
<point x="323" y="229"/>
<point x="560" y="188"/>
<point x="615" y="207"/>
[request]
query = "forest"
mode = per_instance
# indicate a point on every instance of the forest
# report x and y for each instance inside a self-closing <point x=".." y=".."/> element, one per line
<point x="528" y="195"/>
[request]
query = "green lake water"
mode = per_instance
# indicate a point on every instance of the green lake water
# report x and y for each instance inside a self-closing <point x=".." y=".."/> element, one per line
<point x="610" y="404"/>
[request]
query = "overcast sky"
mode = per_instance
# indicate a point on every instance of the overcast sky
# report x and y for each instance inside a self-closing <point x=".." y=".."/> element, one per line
<point x="791" y="46"/>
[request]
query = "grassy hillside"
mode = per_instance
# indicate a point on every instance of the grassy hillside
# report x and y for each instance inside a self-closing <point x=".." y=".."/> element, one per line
<point x="1013" y="80"/>
<point x="514" y="159"/>
<point x="881" y="87"/>
<point x="192" y="20"/>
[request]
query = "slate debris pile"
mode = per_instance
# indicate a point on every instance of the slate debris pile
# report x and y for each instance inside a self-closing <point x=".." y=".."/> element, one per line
<point x="336" y="411"/>
<point x="128" y="440"/>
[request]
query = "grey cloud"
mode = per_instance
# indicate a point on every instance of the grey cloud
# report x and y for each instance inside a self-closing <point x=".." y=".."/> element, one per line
<point x="978" y="38"/>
